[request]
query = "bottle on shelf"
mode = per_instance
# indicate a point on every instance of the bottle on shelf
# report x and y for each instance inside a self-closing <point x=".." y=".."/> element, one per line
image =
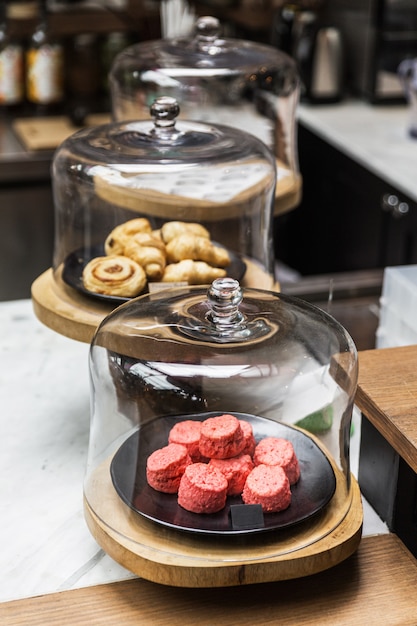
<point x="111" y="45"/>
<point x="44" y="67"/>
<point x="11" y="66"/>
<point x="83" y="76"/>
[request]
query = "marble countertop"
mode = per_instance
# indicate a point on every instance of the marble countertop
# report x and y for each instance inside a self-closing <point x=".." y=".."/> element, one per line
<point x="44" y="395"/>
<point x="44" y="392"/>
<point x="374" y="136"/>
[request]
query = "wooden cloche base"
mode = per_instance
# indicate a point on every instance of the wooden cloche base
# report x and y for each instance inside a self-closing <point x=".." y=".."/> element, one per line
<point x="179" y="559"/>
<point x="47" y="133"/>
<point x="68" y="312"/>
<point x="164" y="205"/>
<point x="182" y="559"/>
<point x="65" y="310"/>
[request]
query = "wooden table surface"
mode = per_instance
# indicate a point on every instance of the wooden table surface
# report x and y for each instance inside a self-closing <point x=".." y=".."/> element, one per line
<point x="387" y="395"/>
<point x="377" y="585"/>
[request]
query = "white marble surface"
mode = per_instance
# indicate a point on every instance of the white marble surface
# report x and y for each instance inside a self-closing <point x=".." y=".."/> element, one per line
<point x="44" y="399"/>
<point x="44" y="389"/>
<point x="374" y="136"/>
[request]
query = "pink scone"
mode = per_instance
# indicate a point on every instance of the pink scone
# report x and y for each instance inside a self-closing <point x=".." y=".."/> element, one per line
<point x="187" y="433"/>
<point x="277" y="451"/>
<point x="235" y="470"/>
<point x="165" y="467"/>
<point x="221" y="437"/>
<point x="203" y="489"/>
<point x="268" y="486"/>
<point x="250" y="442"/>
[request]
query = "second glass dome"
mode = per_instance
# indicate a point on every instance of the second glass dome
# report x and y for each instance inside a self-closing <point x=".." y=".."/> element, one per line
<point x="144" y="204"/>
<point x="215" y="79"/>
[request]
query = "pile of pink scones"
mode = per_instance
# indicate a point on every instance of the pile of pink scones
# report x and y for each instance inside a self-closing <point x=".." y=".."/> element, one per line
<point x="206" y="461"/>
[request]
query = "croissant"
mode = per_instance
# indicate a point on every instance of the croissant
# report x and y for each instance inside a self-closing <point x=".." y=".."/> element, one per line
<point x="170" y="230"/>
<point x="198" y="249"/>
<point x="149" y="252"/>
<point x="191" y="272"/>
<point x="157" y="233"/>
<point x="114" y="275"/>
<point x="120" y="235"/>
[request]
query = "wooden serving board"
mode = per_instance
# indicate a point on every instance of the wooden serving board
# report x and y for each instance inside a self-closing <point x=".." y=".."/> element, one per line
<point x="377" y="585"/>
<point x="70" y="313"/>
<point x="65" y="310"/>
<point x="47" y="133"/>
<point x="185" y="559"/>
<point x="288" y="192"/>
<point x="130" y="192"/>
<point x="164" y="205"/>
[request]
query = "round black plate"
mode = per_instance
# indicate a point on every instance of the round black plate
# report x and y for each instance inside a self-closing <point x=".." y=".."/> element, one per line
<point x="72" y="272"/>
<point x="310" y="495"/>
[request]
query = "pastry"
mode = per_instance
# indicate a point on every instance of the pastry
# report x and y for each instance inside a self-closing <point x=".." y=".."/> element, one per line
<point x="197" y="248"/>
<point x="221" y="437"/>
<point x="235" y="470"/>
<point x="149" y="252"/>
<point x="171" y="230"/>
<point x="203" y="489"/>
<point x="120" y="235"/>
<point x="114" y="275"/>
<point x="157" y="233"/>
<point x="166" y="466"/>
<point x="277" y="451"/>
<point x="191" y="272"/>
<point x="187" y="433"/>
<point x="268" y="486"/>
<point x="250" y="442"/>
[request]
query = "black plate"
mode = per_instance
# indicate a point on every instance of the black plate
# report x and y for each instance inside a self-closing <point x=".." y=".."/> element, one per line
<point x="310" y="495"/>
<point x="72" y="272"/>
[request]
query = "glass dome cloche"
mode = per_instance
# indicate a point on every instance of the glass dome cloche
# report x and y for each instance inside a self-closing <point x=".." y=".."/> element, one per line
<point x="217" y="79"/>
<point x="151" y="203"/>
<point x="220" y="431"/>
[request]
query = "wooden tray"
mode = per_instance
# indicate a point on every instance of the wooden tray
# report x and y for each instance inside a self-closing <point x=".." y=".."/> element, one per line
<point x="180" y="559"/>
<point x="152" y="202"/>
<point x="288" y="193"/>
<point x="70" y="313"/>
<point x="47" y="133"/>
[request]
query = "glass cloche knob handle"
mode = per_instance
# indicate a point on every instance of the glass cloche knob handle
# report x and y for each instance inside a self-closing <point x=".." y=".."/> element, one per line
<point x="220" y="318"/>
<point x="224" y="297"/>
<point x="207" y="31"/>
<point x="207" y="27"/>
<point x="164" y="111"/>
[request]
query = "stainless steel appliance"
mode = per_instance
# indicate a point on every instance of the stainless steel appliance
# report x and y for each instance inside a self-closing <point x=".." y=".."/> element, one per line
<point x="377" y="35"/>
<point x="318" y="50"/>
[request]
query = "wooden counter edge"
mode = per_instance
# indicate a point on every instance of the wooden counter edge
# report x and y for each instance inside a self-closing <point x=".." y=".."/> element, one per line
<point x="376" y="585"/>
<point x="386" y="395"/>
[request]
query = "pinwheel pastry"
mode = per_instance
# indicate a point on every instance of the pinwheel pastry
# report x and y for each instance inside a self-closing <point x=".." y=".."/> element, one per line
<point x="114" y="275"/>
